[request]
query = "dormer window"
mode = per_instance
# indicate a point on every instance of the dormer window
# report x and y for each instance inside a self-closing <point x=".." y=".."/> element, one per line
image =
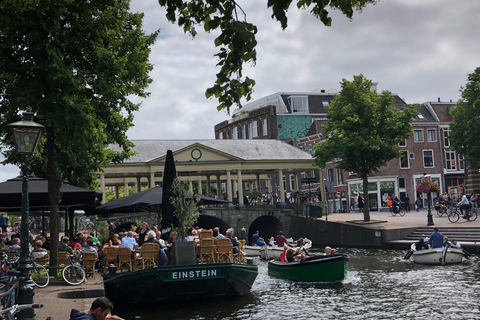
<point x="298" y="104"/>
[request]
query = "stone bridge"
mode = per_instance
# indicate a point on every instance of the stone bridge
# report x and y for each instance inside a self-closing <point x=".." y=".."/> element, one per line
<point x="268" y="220"/>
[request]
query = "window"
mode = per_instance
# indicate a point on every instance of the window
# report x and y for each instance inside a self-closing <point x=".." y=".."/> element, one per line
<point x="325" y="103"/>
<point x="404" y="160"/>
<point x="401" y="183"/>
<point x="403" y="143"/>
<point x="264" y="127"/>
<point x="253" y="129"/>
<point x="428" y="158"/>
<point x="330" y="174"/>
<point x="310" y="148"/>
<point x="418" y="135"/>
<point x="298" y="104"/>
<point x="340" y="177"/>
<point x="254" y="185"/>
<point x="306" y="148"/>
<point x="450" y="160"/>
<point x="244" y="132"/>
<point x="446" y="141"/>
<point x="461" y="162"/>
<point x="266" y="183"/>
<point x="412" y="156"/>
<point x="284" y="183"/>
<point x="247" y="185"/>
<point x="292" y="182"/>
<point x="220" y="135"/>
<point x="235" y="133"/>
<point x="431" y="135"/>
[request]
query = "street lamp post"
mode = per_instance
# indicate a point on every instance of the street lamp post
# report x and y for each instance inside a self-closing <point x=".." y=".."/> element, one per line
<point x="26" y="135"/>
<point x="426" y="177"/>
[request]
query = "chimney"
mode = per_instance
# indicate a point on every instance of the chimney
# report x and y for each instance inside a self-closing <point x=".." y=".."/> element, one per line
<point x="438" y="99"/>
<point x="322" y="91"/>
<point x="450" y="100"/>
<point x="374" y="86"/>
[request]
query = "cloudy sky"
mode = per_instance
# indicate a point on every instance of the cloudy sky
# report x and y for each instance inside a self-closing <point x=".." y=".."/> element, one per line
<point x="419" y="49"/>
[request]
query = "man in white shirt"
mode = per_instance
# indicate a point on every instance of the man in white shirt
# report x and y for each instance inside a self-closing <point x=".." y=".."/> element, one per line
<point x="130" y="242"/>
<point x="464" y="204"/>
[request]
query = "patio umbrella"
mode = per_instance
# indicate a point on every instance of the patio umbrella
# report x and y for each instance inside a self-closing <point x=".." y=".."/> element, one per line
<point x="169" y="175"/>
<point x="148" y="200"/>
<point x="71" y="196"/>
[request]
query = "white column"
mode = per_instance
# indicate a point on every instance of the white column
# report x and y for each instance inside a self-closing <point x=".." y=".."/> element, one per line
<point x="240" y="187"/>
<point x="199" y="184"/>
<point x="190" y="186"/>
<point x="281" y="188"/>
<point x="125" y="188"/>
<point x="209" y="189"/>
<point x="152" y="179"/>
<point x="229" y="186"/>
<point x="257" y="181"/>
<point x="219" y="188"/>
<point x="295" y="182"/>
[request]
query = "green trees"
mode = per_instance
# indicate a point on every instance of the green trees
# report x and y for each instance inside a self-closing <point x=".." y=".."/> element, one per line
<point x="465" y="128"/>
<point x="185" y="207"/>
<point x="237" y="41"/>
<point x="362" y="130"/>
<point x="75" y="63"/>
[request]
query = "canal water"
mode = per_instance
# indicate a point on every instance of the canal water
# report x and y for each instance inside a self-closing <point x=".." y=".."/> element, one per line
<point x="380" y="285"/>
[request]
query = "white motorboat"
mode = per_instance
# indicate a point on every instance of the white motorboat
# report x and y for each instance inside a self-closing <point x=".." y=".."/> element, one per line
<point x="268" y="252"/>
<point x="437" y="256"/>
<point x="252" y="251"/>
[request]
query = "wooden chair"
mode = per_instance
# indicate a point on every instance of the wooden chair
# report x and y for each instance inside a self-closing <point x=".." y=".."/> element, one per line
<point x="111" y="256"/>
<point x="206" y="234"/>
<point x="44" y="261"/>
<point x="157" y="251"/>
<point x="239" y="257"/>
<point x="206" y="251"/>
<point x="88" y="263"/>
<point x="148" y="255"/>
<point x="224" y="250"/>
<point x="124" y="259"/>
<point x="63" y="258"/>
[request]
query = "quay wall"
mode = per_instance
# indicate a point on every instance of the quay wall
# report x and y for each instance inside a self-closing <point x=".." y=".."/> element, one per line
<point x="340" y="234"/>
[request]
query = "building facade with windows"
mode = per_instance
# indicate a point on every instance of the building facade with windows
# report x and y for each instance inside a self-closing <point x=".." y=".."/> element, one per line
<point x="426" y="152"/>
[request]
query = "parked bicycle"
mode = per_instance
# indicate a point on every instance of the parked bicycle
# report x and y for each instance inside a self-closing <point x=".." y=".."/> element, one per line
<point x="441" y="208"/>
<point x="73" y="273"/>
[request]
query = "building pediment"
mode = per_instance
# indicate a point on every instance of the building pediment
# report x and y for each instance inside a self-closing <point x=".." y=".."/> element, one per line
<point x="198" y="152"/>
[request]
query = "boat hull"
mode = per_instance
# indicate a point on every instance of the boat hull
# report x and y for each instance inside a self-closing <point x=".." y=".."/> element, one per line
<point x="252" y="251"/>
<point x="184" y="282"/>
<point x="317" y="268"/>
<point x="437" y="256"/>
<point x="267" y="252"/>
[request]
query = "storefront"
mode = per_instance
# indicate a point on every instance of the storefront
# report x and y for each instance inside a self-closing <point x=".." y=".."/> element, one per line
<point x="378" y="190"/>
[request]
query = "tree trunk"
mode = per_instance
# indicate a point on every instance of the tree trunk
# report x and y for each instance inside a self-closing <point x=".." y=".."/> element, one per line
<point x="54" y="185"/>
<point x="366" y="199"/>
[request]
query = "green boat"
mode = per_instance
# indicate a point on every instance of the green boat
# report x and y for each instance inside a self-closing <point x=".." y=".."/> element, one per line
<point x="316" y="268"/>
<point x="180" y="282"/>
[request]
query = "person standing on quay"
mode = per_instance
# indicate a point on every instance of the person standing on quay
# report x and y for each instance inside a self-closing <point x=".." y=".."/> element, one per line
<point x="407" y="203"/>
<point x="3" y="223"/>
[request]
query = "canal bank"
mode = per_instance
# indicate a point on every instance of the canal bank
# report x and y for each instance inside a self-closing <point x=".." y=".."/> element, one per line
<point x="383" y="231"/>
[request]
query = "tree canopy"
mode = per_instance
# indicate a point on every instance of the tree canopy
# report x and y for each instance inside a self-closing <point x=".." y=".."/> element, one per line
<point x="362" y="129"/>
<point x="76" y="64"/>
<point x="465" y="128"/>
<point x="237" y="40"/>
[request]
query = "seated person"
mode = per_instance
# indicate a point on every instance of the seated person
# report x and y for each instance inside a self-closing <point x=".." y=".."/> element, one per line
<point x="64" y="247"/>
<point x="283" y="256"/>
<point x="300" y="242"/>
<point x="38" y="252"/>
<point x="446" y="242"/>
<point x="151" y="238"/>
<point x="271" y="243"/>
<point x="115" y="241"/>
<point x="15" y="247"/>
<point x="455" y="244"/>
<point x="130" y="242"/>
<point x="88" y="248"/>
<point x="289" y="254"/>
<point x="260" y="242"/>
<point x="173" y="237"/>
<point x="234" y="240"/>
<point x="328" y="251"/>
<point x="421" y="244"/>
<point x="193" y="236"/>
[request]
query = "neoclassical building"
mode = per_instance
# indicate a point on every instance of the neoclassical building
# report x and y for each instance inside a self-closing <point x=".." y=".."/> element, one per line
<point x="233" y="167"/>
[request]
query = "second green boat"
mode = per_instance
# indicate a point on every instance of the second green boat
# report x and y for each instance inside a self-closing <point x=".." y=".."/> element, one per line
<point x="313" y="269"/>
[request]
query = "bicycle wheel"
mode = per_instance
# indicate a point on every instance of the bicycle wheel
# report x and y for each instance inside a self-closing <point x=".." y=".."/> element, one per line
<point x="453" y="217"/>
<point x="39" y="275"/>
<point x="401" y="212"/>
<point x="473" y="215"/>
<point x="392" y="212"/>
<point x="73" y="275"/>
<point x="441" y="211"/>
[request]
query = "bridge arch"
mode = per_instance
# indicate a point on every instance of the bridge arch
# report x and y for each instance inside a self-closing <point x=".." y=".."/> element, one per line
<point x="267" y="226"/>
<point x="210" y="222"/>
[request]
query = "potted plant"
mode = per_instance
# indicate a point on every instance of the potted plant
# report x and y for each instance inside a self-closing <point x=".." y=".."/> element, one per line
<point x="185" y="209"/>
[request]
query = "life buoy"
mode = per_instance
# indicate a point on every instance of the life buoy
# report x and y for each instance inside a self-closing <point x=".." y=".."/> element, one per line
<point x="408" y="255"/>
